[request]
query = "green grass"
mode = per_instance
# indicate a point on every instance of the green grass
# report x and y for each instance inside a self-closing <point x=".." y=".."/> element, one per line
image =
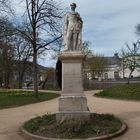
<point x="125" y="92"/>
<point x="14" y="98"/>
<point x="98" y="125"/>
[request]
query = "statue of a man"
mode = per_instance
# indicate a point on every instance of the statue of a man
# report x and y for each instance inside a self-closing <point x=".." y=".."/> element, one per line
<point x="73" y="30"/>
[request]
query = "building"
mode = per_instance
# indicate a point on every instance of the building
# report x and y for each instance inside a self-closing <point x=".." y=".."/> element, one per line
<point x="113" y="71"/>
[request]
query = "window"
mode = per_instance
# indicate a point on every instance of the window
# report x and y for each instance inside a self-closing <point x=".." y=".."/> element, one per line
<point x="116" y="75"/>
<point x="106" y="76"/>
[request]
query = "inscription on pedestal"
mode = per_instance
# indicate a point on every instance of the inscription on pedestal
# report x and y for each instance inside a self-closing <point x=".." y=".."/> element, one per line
<point x="71" y="79"/>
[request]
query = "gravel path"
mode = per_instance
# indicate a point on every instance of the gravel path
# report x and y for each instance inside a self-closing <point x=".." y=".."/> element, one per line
<point x="12" y="119"/>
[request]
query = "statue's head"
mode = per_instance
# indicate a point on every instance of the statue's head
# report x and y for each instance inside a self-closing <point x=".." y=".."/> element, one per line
<point x="73" y="6"/>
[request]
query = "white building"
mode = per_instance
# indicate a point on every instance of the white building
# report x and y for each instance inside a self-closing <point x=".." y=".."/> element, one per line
<point x="114" y="71"/>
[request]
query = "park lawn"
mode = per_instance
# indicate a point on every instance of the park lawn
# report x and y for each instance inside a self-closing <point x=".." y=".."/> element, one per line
<point x="15" y="98"/>
<point x="125" y="92"/>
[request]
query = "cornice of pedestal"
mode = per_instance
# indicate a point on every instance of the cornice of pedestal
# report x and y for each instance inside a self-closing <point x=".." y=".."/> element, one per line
<point x="72" y="56"/>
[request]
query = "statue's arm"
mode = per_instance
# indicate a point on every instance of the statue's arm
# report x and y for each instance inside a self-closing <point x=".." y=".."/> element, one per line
<point x="65" y="24"/>
<point x="79" y="17"/>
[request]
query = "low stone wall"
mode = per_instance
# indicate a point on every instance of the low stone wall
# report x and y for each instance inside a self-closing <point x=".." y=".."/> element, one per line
<point x="93" y="85"/>
<point x="31" y="136"/>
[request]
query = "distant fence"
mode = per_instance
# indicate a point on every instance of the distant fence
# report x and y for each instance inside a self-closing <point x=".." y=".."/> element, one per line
<point x="94" y="84"/>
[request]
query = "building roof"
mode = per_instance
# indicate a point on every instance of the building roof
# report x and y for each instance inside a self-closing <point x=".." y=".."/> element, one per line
<point x="111" y="60"/>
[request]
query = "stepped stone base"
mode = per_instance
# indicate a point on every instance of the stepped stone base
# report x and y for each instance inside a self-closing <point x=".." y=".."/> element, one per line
<point x="77" y="115"/>
<point x="73" y="103"/>
<point x="73" y="107"/>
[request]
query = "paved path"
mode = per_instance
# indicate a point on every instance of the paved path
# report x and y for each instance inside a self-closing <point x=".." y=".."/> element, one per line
<point x="12" y="119"/>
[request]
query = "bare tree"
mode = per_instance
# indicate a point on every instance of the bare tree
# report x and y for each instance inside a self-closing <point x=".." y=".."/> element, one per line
<point x="138" y="30"/>
<point x="86" y="49"/>
<point x="121" y="61"/>
<point x="97" y="64"/>
<point x="48" y="80"/>
<point x="5" y="7"/>
<point x="42" y="28"/>
<point x="7" y="30"/>
<point x="22" y="50"/>
<point x="6" y="50"/>
<point x="132" y="57"/>
<point x="6" y="62"/>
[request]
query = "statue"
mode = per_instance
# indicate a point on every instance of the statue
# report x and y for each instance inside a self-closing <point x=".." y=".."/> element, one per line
<point x="73" y="30"/>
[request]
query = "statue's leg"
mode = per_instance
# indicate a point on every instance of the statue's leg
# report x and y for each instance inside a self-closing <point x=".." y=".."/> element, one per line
<point x="75" y="41"/>
<point x="69" y="40"/>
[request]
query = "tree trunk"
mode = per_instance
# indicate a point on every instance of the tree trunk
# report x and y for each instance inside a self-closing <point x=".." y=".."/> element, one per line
<point x="19" y="74"/>
<point x="35" y="74"/>
<point x="128" y="82"/>
<point x="6" y="80"/>
<point x="44" y="82"/>
<point x="123" y="73"/>
<point x="20" y="81"/>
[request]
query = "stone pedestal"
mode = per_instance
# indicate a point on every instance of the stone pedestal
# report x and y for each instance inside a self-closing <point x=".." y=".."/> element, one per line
<point x="73" y="102"/>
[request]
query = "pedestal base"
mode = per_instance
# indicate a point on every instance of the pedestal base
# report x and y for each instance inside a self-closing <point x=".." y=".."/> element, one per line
<point x="73" y="102"/>
<point x="77" y="115"/>
<point x="73" y="107"/>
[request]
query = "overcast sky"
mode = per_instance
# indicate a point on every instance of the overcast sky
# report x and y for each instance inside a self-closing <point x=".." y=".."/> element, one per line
<point x="108" y="24"/>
